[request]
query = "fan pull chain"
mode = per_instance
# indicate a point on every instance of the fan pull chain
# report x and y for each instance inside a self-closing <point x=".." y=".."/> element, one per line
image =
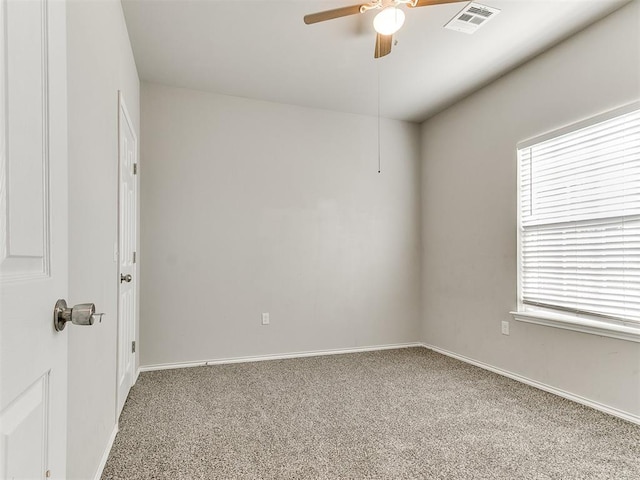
<point x="378" y="66"/>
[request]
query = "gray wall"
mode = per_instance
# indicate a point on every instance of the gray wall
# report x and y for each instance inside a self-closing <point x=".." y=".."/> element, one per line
<point x="469" y="213"/>
<point x="251" y="207"/>
<point x="100" y="63"/>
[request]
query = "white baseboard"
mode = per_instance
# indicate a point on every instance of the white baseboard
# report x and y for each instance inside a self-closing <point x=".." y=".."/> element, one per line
<point x="542" y="386"/>
<point x="135" y="378"/>
<point x="105" y="455"/>
<point x="281" y="356"/>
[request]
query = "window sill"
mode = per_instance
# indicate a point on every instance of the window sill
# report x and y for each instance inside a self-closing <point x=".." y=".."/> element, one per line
<point x="584" y="325"/>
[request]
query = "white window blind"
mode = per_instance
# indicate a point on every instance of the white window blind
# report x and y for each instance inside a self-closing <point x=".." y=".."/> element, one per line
<point x="580" y="220"/>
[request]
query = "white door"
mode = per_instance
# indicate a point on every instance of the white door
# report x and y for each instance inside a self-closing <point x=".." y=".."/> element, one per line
<point x="128" y="234"/>
<point x="33" y="238"/>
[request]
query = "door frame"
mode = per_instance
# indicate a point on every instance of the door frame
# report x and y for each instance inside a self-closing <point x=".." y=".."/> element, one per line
<point x="122" y="107"/>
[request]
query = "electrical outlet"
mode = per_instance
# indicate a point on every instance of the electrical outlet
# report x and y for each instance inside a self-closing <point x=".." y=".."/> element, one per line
<point x="265" y="318"/>
<point x="505" y="327"/>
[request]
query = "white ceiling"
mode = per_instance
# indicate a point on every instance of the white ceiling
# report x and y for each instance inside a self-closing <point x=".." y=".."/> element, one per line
<point x="261" y="49"/>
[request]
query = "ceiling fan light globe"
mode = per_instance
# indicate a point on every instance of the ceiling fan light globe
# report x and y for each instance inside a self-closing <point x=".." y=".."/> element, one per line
<point x="388" y="21"/>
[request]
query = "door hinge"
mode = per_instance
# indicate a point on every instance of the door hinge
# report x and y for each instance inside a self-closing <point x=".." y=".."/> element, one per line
<point x="135" y="168"/>
<point x="134" y="257"/>
<point x="133" y="347"/>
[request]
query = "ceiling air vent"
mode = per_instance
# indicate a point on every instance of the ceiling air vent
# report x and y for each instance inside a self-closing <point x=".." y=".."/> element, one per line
<point x="471" y="18"/>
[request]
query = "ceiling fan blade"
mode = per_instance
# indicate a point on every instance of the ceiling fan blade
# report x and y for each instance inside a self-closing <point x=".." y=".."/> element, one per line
<point x="331" y="14"/>
<point x="428" y="3"/>
<point x="383" y="45"/>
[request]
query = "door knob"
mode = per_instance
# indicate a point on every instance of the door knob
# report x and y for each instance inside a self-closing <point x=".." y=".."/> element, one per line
<point x="125" y="278"/>
<point x="81" y="314"/>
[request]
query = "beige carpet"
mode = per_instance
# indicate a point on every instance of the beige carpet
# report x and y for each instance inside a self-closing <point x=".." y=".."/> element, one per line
<point x="395" y="414"/>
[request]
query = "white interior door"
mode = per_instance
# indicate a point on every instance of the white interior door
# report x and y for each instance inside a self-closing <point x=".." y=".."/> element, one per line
<point x="127" y="249"/>
<point x="33" y="238"/>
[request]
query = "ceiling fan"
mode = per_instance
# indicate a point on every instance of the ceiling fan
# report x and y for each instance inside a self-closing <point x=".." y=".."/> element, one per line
<point x="387" y="22"/>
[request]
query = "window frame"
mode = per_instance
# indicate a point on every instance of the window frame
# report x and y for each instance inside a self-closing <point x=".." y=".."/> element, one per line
<point x="585" y="323"/>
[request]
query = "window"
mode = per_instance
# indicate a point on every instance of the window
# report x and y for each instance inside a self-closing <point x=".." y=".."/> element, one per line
<point x="579" y="226"/>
